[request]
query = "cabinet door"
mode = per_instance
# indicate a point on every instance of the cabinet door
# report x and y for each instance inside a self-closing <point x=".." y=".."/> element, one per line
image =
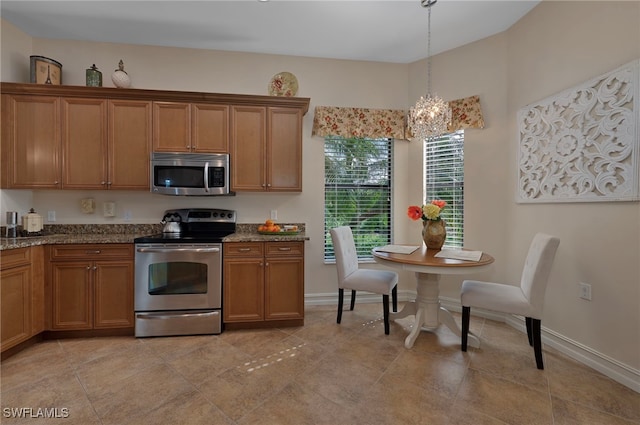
<point x="210" y="128"/>
<point x="71" y="295"/>
<point x="248" y="148"/>
<point x="284" y="155"/>
<point x="129" y="144"/>
<point x="171" y="127"/>
<point x="284" y="288"/>
<point x="113" y="294"/>
<point x="31" y="146"/>
<point x="15" y="306"/>
<point x="84" y="141"/>
<point x="243" y="290"/>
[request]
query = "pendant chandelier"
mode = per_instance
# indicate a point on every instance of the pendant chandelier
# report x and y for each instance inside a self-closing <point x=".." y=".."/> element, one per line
<point x="431" y="116"/>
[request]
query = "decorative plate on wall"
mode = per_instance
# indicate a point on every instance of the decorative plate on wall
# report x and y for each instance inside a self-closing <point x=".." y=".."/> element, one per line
<point x="283" y="84"/>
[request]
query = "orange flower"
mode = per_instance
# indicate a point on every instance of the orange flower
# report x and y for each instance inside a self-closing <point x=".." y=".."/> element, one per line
<point x="439" y="203"/>
<point x="414" y="212"/>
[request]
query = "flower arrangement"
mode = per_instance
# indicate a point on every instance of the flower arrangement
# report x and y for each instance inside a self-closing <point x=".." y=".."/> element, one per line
<point x="430" y="211"/>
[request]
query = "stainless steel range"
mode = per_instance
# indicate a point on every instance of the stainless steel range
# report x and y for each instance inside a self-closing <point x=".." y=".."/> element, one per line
<point x="178" y="275"/>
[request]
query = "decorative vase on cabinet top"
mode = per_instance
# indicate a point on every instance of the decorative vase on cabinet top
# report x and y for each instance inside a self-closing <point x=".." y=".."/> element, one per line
<point x="120" y="78"/>
<point x="434" y="233"/>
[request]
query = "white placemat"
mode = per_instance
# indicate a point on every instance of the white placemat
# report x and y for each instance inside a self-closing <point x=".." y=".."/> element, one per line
<point x="397" y="249"/>
<point x="458" y="254"/>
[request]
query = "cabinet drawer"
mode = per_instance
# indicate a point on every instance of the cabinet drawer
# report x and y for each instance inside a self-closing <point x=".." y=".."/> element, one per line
<point x="15" y="257"/>
<point x="243" y="249"/>
<point x="91" y="251"/>
<point x="275" y="249"/>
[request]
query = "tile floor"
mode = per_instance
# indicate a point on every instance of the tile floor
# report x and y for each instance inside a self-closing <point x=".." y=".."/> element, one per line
<point x="322" y="373"/>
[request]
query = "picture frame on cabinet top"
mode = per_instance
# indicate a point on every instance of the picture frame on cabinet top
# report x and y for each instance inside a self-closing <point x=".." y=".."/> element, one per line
<point x="45" y="70"/>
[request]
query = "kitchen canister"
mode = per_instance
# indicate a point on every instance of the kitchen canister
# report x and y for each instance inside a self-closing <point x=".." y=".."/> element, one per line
<point x="32" y="222"/>
<point x="12" y="224"/>
<point x="120" y="77"/>
<point x="94" y="77"/>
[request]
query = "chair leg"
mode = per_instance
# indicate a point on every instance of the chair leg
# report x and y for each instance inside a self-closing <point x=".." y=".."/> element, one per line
<point x="466" y="313"/>
<point x="394" y="298"/>
<point x="537" y="342"/>
<point x="529" y="333"/>
<point x="353" y="299"/>
<point x="340" y="299"/>
<point x="385" y="309"/>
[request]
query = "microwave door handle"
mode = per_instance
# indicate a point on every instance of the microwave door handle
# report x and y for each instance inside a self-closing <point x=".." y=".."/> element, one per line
<point x="206" y="177"/>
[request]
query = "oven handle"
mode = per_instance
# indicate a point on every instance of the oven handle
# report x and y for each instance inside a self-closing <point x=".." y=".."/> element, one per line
<point x="162" y="316"/>
<point x="206" y="176"/>
<point x="178" y="249"/>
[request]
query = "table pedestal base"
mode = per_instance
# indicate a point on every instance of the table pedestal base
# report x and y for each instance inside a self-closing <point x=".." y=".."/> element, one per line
<point x="428" y="311"/>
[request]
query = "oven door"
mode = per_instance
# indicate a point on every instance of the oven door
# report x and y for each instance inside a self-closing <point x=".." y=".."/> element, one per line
<point x="178" y="277"/>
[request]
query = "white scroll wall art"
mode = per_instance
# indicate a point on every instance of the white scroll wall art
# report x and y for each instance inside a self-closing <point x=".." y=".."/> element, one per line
<point x="581" y="145"/>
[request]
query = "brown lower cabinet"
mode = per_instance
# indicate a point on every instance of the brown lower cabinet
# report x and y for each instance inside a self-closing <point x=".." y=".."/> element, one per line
<point x="21" y="295"/>
<point x="263" y="284"/>
<point x="91" y="286"/>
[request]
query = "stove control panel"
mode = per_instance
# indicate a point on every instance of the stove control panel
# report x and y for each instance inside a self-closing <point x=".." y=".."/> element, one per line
<point x="205" y="215"/>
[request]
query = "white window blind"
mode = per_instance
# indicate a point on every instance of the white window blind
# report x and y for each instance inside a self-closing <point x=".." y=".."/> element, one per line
<point x="444" y="179"/>
<point x="358" y="192"/>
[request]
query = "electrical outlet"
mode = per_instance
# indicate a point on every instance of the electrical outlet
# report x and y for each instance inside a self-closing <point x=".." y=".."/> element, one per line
<point x="585" y="291"/>
<point x="127" y="215"/>
<point x="51" y="216"/>
<point x="274" y="214"/>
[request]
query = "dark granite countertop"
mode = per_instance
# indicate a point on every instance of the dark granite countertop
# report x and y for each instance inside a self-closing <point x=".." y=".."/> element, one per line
<point x="98" y="234"/>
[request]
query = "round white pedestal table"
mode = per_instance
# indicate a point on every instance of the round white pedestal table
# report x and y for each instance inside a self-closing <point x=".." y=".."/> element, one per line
<point x="426" y="308"/>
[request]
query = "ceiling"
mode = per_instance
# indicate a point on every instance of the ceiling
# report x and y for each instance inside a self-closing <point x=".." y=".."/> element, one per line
<point x="374" y="30"/>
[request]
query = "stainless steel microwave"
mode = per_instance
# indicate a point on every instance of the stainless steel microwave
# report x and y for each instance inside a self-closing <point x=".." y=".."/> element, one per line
<point x="191" y="174"/>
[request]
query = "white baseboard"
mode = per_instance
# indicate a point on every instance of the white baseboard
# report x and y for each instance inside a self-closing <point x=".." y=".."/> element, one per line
<point x="619" y="372"/>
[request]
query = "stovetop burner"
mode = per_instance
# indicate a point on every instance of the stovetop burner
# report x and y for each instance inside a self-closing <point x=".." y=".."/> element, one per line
<point x="197" y="225"/>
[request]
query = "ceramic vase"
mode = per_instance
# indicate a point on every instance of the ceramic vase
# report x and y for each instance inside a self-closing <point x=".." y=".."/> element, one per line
<point x="120" y="77"/>
<point x="434" y="233"/>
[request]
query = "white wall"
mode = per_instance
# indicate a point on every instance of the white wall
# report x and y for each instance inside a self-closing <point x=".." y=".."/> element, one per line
<point x="554" y="47"/>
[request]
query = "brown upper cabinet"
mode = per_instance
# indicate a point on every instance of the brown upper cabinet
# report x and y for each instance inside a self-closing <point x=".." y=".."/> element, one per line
<point x="75" y="137"/>
<point x="185" y="127"/>
<point x="105" y="144"/>
<point x="266" y="149"/>
<point x="31" y="143"/>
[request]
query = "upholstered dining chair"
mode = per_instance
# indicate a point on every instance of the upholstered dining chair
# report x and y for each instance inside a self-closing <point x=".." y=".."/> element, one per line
<point x="526" y="300"/>
<point x="351" y="277"/>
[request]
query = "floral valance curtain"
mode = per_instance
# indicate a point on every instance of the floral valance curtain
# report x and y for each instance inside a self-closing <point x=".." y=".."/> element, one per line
<point x="466" y="113"/>
<point x="359" y="122"/>
<point x="387" y="123"/>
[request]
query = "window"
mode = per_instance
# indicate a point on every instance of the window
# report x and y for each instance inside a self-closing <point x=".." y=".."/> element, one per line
<point x="444" y="179"/>
<point x="357" y="192"/>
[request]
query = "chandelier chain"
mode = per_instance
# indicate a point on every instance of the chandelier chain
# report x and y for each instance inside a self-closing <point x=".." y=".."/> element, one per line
<point x="431" y="116"/>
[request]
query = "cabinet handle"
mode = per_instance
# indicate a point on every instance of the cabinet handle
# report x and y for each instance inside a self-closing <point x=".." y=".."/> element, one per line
<point x="267" y="264"/>
<point x="268" y="184"/>
<point x="97" y="251"/>
<point x="88" y="267"/>
<point x="95" y="267"/>
<point x="108" y="183"/>
<point x="103" y="183"/>
<point x="244" y="249"/>
<point x="284" y="249"/>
